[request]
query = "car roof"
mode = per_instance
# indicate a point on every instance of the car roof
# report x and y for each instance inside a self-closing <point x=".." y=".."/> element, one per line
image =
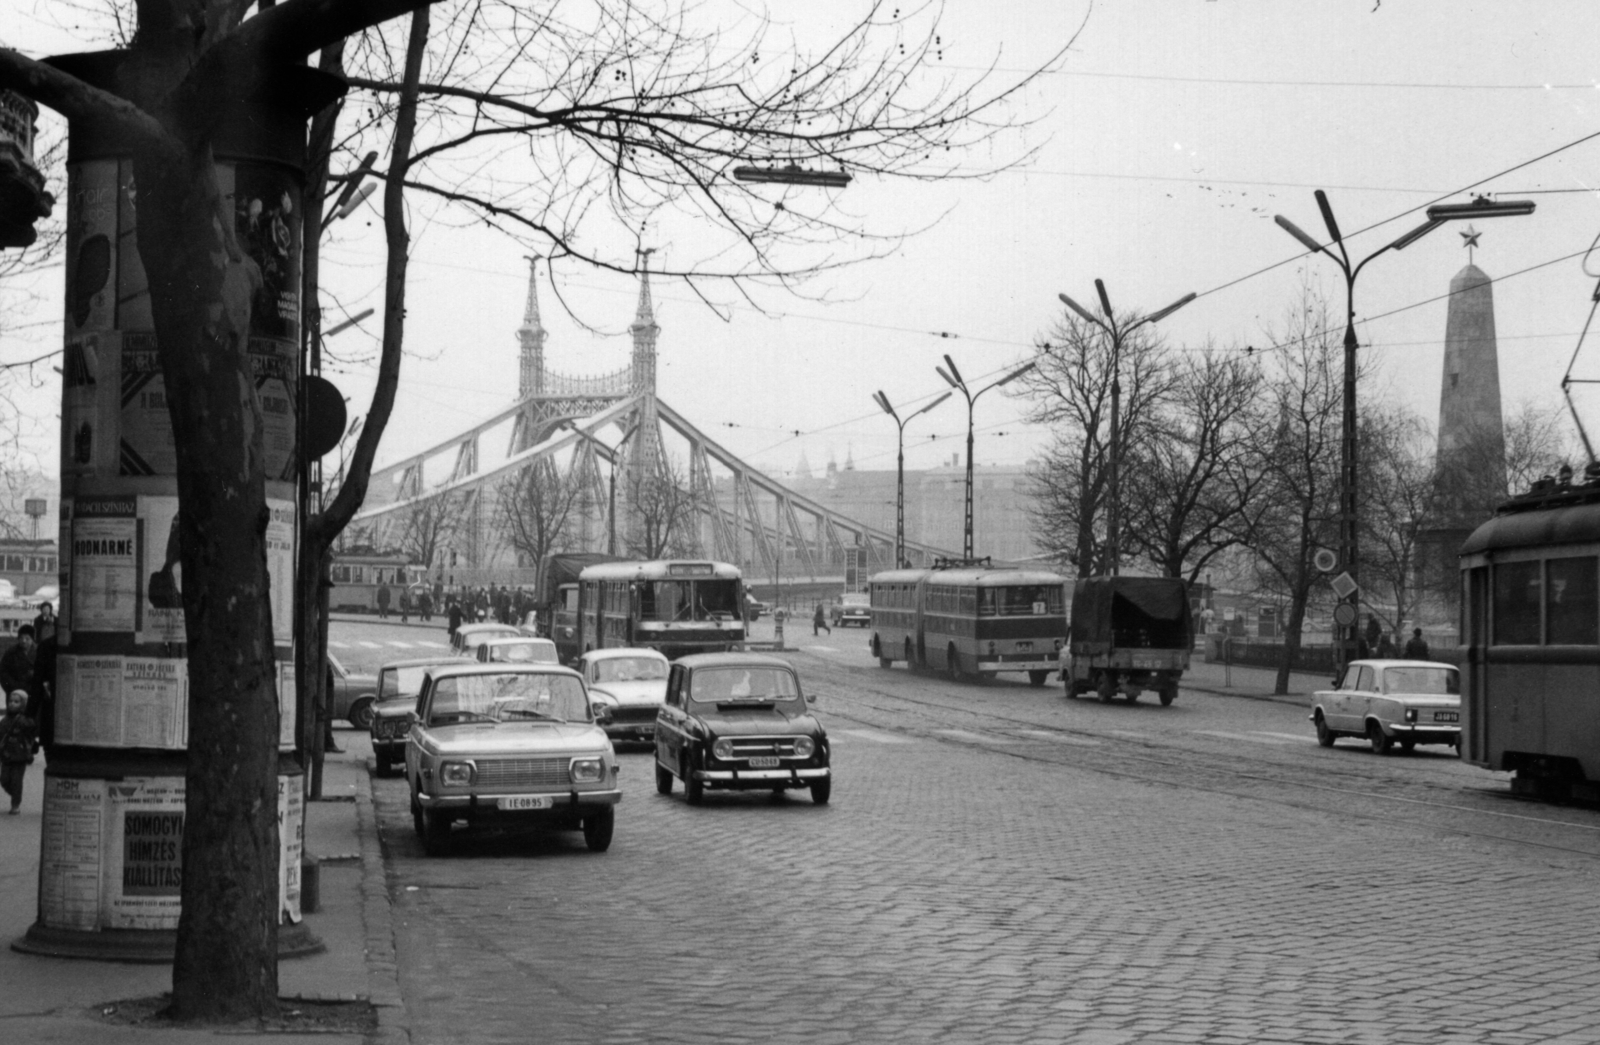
<point x="1390" y="662"/>
<point x="734" y="660"/>
<point x="611" y="653"/>
<point x="458" y="668"/>
<point x="485" y="626"/>
<point x="419" y="662"/>
<point x="518" y="640"/>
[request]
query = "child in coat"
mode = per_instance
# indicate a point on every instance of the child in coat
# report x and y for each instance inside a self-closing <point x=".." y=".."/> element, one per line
<point x="19" y="740"/>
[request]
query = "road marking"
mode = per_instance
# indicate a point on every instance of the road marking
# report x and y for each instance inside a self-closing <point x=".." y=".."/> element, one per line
<point x="830" y="649"/>
<point x="1061" y="738"/>
<point x="370" y="645"/>
<point x="1299" y="738"/>
<point x="402" y="645"/>
<point x="961" y="734"/>
<point x="1257" y="738"/>
<point x="338" y="645"/>
<point x="876" y="737"/>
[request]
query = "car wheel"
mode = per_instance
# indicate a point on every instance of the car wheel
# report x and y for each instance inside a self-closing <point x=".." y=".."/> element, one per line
<point x="1107" y="688"/>
<point x="360" y="713"/>
<point x="1167" y="694"/>
<point x="1131" y="697"/>
<point x="1408" y="745"/>
<point x="822" y="790"/>
<point x="952" y="664"/>
<point x="877" y="651"/>
<point x="663" y="780"/>
<point x="693" y="790"/>
<point x="432" y="827"/>
<point x="910" y="663"/>
<point x="1325" y="736"/>
<point x="1038" y="678"/>
<point x="597" y="829"/>
<point x="1378" y="738"/>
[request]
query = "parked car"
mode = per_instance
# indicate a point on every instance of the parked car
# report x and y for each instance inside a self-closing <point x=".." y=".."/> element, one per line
<point x="521" y="649"/>
<point x="399" y="685"/>
<point x="739" y="722"/>
<point x="854" y="608"/>
<point x="468" y="637"/>
<point x="632" y="685"/>
<point x="509" y="745"/>
<point x="1408" y="702"/>
<point x="353" y="695"/>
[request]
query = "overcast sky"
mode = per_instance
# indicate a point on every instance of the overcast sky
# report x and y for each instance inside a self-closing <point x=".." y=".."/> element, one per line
<point x="1174" y="132"/>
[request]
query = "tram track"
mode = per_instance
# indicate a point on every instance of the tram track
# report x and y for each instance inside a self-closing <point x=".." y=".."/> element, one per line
<point x="878" y="701"/>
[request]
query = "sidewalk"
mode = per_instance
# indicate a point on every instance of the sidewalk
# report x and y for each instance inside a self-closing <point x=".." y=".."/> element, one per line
<point x="1255" y="683"/>
<point x="54" y="999"/>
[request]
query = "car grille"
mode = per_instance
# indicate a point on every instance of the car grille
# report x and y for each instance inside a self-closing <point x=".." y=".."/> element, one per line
<point x="524" y="772"/>
<point x="755" y="747"/>
<point x="633" y="715"/>
<point x="385" y="727"/>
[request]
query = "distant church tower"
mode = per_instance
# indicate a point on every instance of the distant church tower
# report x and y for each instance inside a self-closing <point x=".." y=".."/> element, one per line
<point x="531" y="336"/>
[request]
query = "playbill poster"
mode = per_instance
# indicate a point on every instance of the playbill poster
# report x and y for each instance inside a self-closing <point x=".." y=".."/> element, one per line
<point x="104" y="564"/>
<point x="69" y="853"/>
<point x="160" y="572"/>
<point x="144" y="852"/>
<point x="112" y="701"/>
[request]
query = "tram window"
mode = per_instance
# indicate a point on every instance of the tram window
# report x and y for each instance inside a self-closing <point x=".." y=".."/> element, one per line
<point x="967" y="602"/>
<point x="1572" y="602"/>
<point x="1516" y="604"/>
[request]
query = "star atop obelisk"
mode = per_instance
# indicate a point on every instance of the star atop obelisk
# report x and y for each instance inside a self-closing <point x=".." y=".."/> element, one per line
<point x="1469" y="240"/>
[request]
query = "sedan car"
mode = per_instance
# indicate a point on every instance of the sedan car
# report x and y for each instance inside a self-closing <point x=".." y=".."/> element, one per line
<point x="509" y="745"/>
<point x="739" y="722"/>
<point x="469" y="637"/>
<point x="631" y="684"/>
<point x="523" y="649"/>
<point x="353" y="695"/>
<point x="1405" y="702"/>
<point x="854" y="608"/>
<point x="399" y="685"/>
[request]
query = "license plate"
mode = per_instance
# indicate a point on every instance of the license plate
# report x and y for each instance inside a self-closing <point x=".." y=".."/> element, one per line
<point x="1024" y="647"/>
<point x="1447" y="716"/>
<point x="764" y="762"/>
<point x="525" y="802"/>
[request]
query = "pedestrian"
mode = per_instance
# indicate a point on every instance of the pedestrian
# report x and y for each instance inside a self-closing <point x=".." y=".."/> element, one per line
<point x="405" y="605"/>
<point x="1386" y="646"/>
<point x="16" y="666"/>
<point x="454" y="618"/>
<point x="19" y="740"/>
<point x="42" y="694"/>
<point x="44" y="625"/>
<point x="819" y="619"/>
<point x="1417" y="648"/>
<point x="384" y="595"/>
<point x="425" y="605"/>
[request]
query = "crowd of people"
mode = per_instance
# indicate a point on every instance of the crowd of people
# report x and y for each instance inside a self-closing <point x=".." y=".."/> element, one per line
<point x="458" y="604"/>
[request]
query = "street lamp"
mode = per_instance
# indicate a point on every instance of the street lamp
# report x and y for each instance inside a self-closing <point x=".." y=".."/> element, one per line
<point x="1118" y="333"/>
<point x="1480" y="207"/>
<point x="900" y="473"/>
<point x="956" y="381"/>
<point x="610" y="454"/>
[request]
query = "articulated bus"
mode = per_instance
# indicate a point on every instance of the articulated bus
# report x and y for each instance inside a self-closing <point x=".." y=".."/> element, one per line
<point x="1530" y="632"/>
<point x="970" y="620"/>
<point x="674" y="606"/>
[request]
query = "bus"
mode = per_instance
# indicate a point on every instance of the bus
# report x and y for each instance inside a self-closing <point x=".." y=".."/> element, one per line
<point x="970" y="620"/>
<point x="675" y="606"/>
<point x="1530" y="634"/>
<point x="357" y="575"/>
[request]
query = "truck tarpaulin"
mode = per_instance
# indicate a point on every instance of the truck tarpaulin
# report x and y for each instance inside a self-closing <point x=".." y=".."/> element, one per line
<point x="1147" y="612"/>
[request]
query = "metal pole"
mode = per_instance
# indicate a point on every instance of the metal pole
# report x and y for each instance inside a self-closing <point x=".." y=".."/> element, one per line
<point x="1348" y="464"/>
<point x="966" y="550"/>
<point x="900" y="502"/>
<point x="611" y="513"/>
<point x="1114" y="522"/>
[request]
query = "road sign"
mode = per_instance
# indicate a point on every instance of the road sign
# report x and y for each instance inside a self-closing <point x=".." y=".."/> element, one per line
<point x="1344" y="614"/>
<point x="1344" y="585"/>
<point x="1325" y="560"/>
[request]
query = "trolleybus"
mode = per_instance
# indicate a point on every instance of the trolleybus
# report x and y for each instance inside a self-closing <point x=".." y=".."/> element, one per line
<point x="357" y="575"/>
<point x="675" y="606"/>
<point x="970" y="620"/>
<point x="1531" y="642"/>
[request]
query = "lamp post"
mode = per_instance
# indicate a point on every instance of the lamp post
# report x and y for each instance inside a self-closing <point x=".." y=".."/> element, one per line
<point x="1348" y="451"/>
<point x="956" y="381"/>
<point x="900" y="472"/>
<point x="1118" y="334"/>
<point x="610" y="454"/>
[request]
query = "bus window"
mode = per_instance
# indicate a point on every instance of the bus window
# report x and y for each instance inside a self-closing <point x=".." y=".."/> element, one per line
<point x="1029" y="600"/>
<point x="1516" y="604"/>
<point x="1572" y="613"/>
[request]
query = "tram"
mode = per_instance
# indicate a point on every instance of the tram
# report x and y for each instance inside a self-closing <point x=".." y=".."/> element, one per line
<point x="357" y="576"/>
<point x="970" y="619"/>
<point x="1531" y="642"/>
<point x="673" y="606"/>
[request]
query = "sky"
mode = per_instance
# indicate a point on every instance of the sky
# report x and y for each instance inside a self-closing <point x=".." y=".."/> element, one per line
<point x="1173" y="132"/>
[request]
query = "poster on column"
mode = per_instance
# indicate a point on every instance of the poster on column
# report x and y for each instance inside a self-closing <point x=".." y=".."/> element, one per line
<point x="144" y="850"/>
<point x="288" y="705"/>
<point x="145" y="445"/>
<point x="160" y="574"/>
<point x="291" y="843"/>
<point x="280" y="567"/>
<point x="69" y="853"/>
<point x="91" y="298"/>
<point x="64" y="574"/>
<point x="273" y="365"/>
<point x="104" y="564"/>
<point x="89" y="366"/>
<point x="89" y="701"/>
<point x="155" y="704"/>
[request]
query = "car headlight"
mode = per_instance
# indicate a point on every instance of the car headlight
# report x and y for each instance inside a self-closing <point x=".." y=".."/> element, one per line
<point x="456" y="774"/>
<point x="722" y="749"/>
<point x="588" y="770"/>
<point x="1411" y="714"/>
<point x="803" y="747"/>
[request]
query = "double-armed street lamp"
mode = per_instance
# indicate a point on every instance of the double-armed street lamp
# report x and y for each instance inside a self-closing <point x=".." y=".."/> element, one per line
<point x="900" y="472"/>
<point x="1347" y="619"/>
<point x="1118" y="333"/>
<point x="956" y="381"/>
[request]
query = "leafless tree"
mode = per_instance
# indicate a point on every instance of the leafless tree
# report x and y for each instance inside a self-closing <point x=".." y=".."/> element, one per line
<point x="1190" y="482"/>
<point x="1398" y="497"/>
<point x="1070" y="393"/>
<point x="429" y="527"/>
<point x="536" y="508"/>
<point x="663" y="509"/>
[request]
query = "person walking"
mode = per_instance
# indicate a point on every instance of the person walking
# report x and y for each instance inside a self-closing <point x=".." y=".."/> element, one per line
<point x="44" y="625"/>
<point x="16" y="667"/>
<point x="405" y="605"/>
<point x="384" y="595"/>
<point x="425" y="605"/>
<point x="19" y="740"/>
<point x="819" y="619"/>
<point x="454" y="618"/>
<point x="1417" y="648"/>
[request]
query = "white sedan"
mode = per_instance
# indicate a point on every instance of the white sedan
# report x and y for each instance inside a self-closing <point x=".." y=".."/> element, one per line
<point x="631" y="685"/>
<point x="1405" y="702"/>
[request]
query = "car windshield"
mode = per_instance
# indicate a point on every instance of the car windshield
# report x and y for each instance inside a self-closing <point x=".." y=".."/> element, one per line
<point x="737" y="684"/>
<point x="629" y="669"/>
<point x="1425" y="681"/>
<point x="507" y="698"/>
<point x="401" y="682"/>
<point x="524" y="653"/>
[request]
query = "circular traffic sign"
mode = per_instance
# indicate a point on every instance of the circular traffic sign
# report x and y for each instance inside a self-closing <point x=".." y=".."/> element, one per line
<point x="1325" y="560"/>
<point x="1344" y="614"/>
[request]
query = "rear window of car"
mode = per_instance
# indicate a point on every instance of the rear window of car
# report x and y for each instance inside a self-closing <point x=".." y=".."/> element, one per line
<point x="1422" y="681"/>
<point x="525" y="653"/>
<point x="629" y="669"/>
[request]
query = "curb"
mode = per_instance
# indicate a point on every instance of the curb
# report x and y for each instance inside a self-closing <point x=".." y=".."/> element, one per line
<point x="377" y="918"/>
<point x="1297" y="699"/>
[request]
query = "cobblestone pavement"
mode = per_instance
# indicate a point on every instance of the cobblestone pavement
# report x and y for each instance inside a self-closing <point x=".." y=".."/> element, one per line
<point x="1002" y="865"/>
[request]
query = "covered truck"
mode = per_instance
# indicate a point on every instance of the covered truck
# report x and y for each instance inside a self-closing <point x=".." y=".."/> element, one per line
<point x="1127" y="635"/>
<point x="555" y="608"/>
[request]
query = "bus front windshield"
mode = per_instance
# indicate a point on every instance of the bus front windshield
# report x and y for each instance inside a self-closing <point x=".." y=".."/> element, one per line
<point x="679" y="600"/>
